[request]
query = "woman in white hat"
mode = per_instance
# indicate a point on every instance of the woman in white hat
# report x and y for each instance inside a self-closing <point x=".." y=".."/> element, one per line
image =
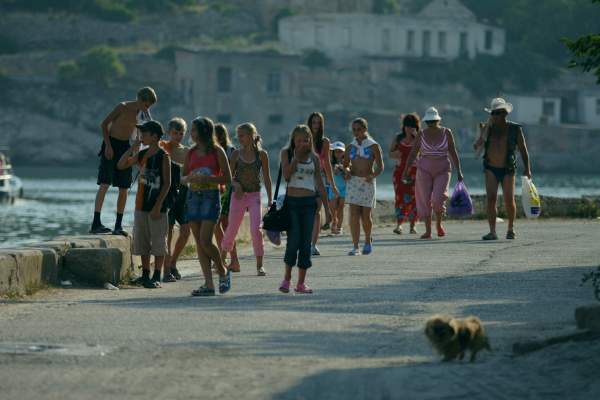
<point x="500" y="140"/>
<point x="435" y="144"/>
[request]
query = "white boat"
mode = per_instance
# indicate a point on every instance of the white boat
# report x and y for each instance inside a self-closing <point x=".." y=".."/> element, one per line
<point x="11" y="187"/>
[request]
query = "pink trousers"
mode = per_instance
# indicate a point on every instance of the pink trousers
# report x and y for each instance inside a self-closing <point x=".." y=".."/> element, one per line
<point x="237" y="209"/>
<point x="431" y="190"/>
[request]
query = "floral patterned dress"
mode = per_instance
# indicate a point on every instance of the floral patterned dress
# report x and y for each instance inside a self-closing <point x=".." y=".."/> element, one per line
<point x="406" y="207"/>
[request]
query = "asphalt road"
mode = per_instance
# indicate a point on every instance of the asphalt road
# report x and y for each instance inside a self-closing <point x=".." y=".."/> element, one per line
<point x="358" y="337"/>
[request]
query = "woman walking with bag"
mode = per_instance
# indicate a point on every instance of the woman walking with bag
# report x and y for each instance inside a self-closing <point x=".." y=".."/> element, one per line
<point x="247" y="164"/>
<point x="406" y="207"/>
<point x="300" y="168"/>
<point x="435" y="144"/>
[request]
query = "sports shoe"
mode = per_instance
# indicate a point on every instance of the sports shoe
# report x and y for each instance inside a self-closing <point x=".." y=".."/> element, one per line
<point x="99" y="230"/>
<point x="225" y="282"/>
<point x="120" y="232"/>
<point x="354" y="252"/>
<point x="284" y="287"/>
<point x="511" y="235"/>
<point x="314" y="251"/>
<point x="490" y="236"/>
<point x="169" y="278"/>
<point x="261" y="271"/>
<point x="175" y="273"/>
<point x="303" y="289"/>
<point x="367" y="249"/>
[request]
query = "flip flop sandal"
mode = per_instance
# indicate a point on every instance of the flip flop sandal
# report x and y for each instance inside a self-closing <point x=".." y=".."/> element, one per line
<point x="225" y="282"/>
<point x="150" y="284"/>
<point x="511" y="235"/>
<point x="203" y="291"/>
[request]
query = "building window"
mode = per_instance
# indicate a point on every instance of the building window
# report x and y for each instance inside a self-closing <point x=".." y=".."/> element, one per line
<point x="347" y="32"/>
<point x="224" y="80"/>
<point x="410" y="41"/>
<point x="489" y="36"/>
<point x="442" y="42"/>
<point x="274" y="82"/>
<point x="319" y="35"/>
<point x="464" y="43"/>
<point x="598" y="106"/>
<point x="275" y="119"/>
<point x="549" y="108"/>
<point x="426" y="43"/>
<point x="386" y="41"/>
<point x="224" y="118"/>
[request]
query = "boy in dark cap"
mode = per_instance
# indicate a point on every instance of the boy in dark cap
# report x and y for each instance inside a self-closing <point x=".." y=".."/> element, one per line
<point x="150" y="224"/>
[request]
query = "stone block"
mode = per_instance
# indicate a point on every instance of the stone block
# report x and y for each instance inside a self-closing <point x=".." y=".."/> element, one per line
<point x="97" y="265"/>
<point x="588" y="317"/>
<point x="29" y="270"/>
<point x="9" y="279"/>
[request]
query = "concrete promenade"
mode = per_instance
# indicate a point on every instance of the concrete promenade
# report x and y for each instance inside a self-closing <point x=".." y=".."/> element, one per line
<point x="358" y="337"/>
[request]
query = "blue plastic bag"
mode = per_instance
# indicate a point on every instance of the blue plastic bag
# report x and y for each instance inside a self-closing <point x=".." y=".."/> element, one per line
<point x="461" y="204"/>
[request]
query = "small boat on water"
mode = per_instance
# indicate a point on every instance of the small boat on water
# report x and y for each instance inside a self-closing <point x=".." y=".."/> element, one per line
<point x="11" y="187"/>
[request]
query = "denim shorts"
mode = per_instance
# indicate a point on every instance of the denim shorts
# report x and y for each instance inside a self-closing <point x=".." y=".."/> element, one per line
<point x="203" y="205"/>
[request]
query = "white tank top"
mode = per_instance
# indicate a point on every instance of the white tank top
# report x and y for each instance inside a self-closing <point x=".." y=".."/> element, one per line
<point x="304" y="176"/>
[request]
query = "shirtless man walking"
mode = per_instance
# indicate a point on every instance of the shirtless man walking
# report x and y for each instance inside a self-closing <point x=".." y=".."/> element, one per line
<point x="499" y="139"/>
<point x="117" y="128"/>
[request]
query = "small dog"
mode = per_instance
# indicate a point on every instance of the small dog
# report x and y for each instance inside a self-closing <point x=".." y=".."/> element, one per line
<point x="452" y="337"/>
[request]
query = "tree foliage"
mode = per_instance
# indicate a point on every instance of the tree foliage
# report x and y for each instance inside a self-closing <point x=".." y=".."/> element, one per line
<point x="111" y="10"/>
<point x="99" y="64"/>
<point x="585" y="52"/>
<point x="386" y="6"/>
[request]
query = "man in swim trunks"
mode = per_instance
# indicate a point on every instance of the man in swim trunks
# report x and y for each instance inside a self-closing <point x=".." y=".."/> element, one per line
<point x="117" y="129"/>
<point x="500" y="140"/>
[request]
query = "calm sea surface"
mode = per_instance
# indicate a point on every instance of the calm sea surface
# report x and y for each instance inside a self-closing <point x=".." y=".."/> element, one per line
<point x="59" y="201"/>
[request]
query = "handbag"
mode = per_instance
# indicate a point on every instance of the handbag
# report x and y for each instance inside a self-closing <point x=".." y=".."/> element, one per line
<point x="277" y="220"/>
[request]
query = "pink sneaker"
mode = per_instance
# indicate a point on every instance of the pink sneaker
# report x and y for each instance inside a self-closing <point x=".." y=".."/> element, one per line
<point x="304" y="289"/>
<point x="284" y="287"/>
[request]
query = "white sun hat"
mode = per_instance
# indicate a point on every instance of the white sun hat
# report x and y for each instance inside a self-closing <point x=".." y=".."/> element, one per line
<point x="338" y="146"/>
<point x="499" y="104"/>
<point x="432" y="114"/>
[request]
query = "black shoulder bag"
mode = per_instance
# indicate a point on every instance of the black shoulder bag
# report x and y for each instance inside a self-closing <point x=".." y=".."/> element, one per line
<point x="277" y="220"/>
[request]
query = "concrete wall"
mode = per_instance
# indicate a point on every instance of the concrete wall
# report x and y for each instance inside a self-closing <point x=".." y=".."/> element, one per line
<point x="262" y="88"/>
<point x="343" y="36"/>
<point x="90" y="259"/>
<point x="530" y="109"/>
<point x="590" y="110"/>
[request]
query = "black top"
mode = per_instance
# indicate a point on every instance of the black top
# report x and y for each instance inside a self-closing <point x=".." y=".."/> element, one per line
<point x="150" y="181"/>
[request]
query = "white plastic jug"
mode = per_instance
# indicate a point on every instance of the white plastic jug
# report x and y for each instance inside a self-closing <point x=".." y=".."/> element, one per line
<point x="530" y="198"/>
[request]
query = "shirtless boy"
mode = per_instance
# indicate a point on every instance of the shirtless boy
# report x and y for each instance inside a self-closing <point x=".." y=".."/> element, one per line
<point x="500" y="140"/>
<point x="117" y="129"/>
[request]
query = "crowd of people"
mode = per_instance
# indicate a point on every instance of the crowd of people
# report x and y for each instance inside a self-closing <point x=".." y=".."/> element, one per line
<point x="207" y="188"/>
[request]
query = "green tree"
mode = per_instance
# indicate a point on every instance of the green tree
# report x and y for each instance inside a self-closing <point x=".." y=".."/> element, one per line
<point x="315" y="59"/>
<point x="99" y="64"/>
<point x="102" y="64"/>
<point x="585" y="52"/>
<point x="386" y="6"/>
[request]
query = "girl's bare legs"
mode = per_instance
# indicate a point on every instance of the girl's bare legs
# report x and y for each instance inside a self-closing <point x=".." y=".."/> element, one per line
<point x="317" y="224"/>
<point x="182" y="241"/>
<point x="355" y="224"/>
<point x="427" y="221"/>
<point x="301" y="276"/>
<point x="367" y="223"/>
<point x="202" y="256"/>
<point x="340" y="213"/>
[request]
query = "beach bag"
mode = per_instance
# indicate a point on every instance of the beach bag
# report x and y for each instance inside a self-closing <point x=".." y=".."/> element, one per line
<point x="461" y="204"/>
<point x="277" y="219"/>
<point x="532" y="205"/>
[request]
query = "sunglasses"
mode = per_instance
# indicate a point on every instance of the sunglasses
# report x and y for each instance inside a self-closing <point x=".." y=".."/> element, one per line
<point x="499" y="112"/>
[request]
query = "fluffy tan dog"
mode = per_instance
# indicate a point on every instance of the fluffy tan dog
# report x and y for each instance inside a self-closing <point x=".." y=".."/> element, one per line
<point x="452" y="337"/>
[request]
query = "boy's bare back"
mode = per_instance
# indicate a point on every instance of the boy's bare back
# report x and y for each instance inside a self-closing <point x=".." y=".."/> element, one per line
<point x="122" y="120"/>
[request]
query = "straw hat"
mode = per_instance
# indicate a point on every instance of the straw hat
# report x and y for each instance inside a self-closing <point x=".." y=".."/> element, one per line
<point x="499" y="104"/>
